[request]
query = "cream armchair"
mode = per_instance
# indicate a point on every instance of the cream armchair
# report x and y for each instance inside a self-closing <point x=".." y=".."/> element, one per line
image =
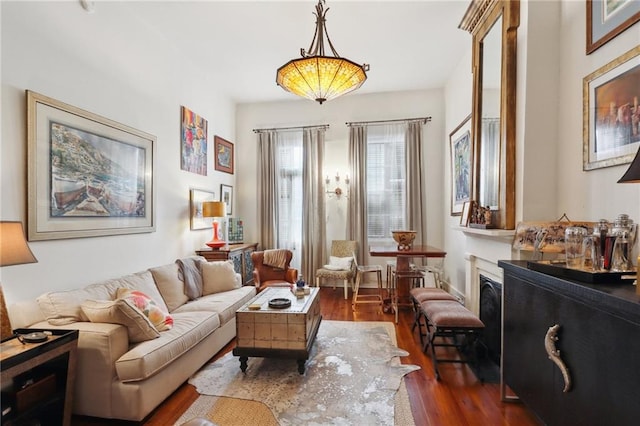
<point x="340" y="249"/>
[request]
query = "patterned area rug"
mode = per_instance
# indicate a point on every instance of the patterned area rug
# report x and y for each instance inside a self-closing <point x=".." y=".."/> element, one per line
<point x="353" y="376"/>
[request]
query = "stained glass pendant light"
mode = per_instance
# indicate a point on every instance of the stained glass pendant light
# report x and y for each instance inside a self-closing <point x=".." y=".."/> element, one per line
<point x="317" y="76"/>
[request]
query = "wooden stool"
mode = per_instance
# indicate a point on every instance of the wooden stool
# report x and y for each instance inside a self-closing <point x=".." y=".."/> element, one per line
<point x="447" y="318"/>
<point x="367" y="298"/>
<point x="417" y="280"/>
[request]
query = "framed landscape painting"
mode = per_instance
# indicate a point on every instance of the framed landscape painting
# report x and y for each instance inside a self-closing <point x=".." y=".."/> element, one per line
<point x="88" y="176"/>
<point x="460" y="143"/>
<point x="611" y="112"/>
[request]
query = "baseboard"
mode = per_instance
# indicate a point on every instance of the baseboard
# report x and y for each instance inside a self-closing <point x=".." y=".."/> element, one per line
<point x="454" y="291"/>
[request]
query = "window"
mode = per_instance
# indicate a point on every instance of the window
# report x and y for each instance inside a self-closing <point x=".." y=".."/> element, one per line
<point x="386" y="188"/>
<point x="289" y="219"/>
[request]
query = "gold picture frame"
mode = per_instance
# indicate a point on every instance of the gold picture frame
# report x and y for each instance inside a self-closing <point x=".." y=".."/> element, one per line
<point x="610" y="136"/>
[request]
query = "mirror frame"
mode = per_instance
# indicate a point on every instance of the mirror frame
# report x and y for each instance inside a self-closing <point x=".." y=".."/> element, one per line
<point x="478" y="20"/>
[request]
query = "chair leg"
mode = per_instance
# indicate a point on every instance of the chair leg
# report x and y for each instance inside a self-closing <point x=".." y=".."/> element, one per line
<point x="346" y="289"/>
<point x="354" y="300"/>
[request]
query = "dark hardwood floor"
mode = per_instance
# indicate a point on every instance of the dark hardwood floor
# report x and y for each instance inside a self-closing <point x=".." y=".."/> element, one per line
<point x="459" y="398"/>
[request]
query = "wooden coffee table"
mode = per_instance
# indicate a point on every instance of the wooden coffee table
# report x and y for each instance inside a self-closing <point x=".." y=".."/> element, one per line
<point x="278" y="333"/>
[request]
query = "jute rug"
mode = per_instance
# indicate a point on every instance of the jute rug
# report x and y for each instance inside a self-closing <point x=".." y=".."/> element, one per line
<point x="353" y="376"/>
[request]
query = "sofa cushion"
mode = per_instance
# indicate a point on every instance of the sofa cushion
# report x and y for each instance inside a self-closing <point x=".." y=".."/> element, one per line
<point x="170" y="285"/>
<point x="225" y="303"/>
<point x="218" y="277"/>
<point x="160" y="318"/>
<point x="146" y="358"/>
<point x="63" y="307"/>
<point x="121" y="311"/>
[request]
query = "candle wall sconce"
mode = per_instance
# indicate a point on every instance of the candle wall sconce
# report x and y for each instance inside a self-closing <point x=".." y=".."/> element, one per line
<point x="335" y="183"/>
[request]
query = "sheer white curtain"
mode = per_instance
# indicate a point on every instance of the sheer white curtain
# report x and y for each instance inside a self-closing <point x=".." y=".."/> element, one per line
<point x="385" y="181"/>
<point x="289" y="198"/>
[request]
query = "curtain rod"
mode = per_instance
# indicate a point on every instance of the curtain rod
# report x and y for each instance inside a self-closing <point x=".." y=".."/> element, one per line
<point x="423" y="119"/>
<point x="319" y="126"/>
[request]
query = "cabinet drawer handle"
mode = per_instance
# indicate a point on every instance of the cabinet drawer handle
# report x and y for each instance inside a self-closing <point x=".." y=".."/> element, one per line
<point x="554" y="355"/>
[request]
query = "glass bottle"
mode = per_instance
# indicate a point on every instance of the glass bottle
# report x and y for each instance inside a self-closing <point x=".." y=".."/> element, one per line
<point x="620" y="256"/>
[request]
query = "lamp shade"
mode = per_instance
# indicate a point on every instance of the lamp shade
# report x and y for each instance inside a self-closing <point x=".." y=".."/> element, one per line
<point x="632" y="175"/>
<point x="213" y="209"/>
<point x="13" y="246"/>
<point x="321" y="78"/>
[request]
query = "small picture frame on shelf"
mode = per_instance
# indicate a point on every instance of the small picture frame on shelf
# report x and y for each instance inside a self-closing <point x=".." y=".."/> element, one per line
<point x="466" y="213"/>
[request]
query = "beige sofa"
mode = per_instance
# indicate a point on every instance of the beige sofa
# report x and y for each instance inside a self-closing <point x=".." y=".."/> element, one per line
<point x="120" y="379"/>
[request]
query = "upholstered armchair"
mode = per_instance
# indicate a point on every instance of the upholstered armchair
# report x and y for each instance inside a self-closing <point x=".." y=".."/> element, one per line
<point x="340" y="250"/>
<point x="270" y="275"/>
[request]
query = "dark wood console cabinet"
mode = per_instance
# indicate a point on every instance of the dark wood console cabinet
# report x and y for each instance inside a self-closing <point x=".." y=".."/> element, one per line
<point x="598" y="340"/>
<point x="240" y="254"/>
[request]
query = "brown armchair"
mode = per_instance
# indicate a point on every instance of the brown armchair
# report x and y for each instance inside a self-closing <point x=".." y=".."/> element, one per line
<point x="270" y="276"/>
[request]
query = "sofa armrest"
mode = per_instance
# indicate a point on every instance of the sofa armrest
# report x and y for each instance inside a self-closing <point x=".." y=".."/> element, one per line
<point x="99" y="346"/>
<point x="291" y="275"/>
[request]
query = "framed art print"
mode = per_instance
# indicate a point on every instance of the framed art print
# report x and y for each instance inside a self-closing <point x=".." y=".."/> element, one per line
<point x="461" y="160"/>
<point x="611" y="120"/>
<point x="196" y="198"/>
<point x="88" y="175"/>
<point x="608" y="18"/>
<point x="193" y="142"/>
<point x="223" y="154"/>
<point x="226" y="196"/>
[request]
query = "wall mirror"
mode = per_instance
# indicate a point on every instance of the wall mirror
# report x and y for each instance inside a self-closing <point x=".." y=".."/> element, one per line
<point x="493" y="25"/>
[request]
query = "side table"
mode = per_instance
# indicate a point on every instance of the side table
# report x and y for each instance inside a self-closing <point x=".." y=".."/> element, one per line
<point x="38" y="378"/>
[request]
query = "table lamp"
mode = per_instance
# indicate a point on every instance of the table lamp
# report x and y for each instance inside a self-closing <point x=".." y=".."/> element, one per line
<point x="214" y="209"/>
<point x="13" y="251"/>
<point x="632" y="175"/>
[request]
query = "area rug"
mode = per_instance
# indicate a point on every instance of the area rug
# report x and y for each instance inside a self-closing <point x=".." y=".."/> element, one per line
<point x="353" y="376"/>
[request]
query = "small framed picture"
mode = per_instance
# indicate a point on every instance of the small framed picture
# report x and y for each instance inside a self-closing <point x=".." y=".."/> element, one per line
<point x="467" y="207"/>
<point x="223" y="155"/>
<point x="196" y="198"/>
<point x="226" y="196"/>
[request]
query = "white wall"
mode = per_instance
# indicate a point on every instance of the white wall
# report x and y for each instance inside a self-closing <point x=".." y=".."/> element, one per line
<point x="594" y="194"/>
<point x="128" y="81"/>
<point x="353" y="107"/>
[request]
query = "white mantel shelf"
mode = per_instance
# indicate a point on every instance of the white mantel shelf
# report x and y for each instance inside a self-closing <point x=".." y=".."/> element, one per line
<point x="506" y="234"/>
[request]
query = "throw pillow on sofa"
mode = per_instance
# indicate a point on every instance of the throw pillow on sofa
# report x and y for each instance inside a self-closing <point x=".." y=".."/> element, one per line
<point x="218" y="277"/>
<point x="160" y="319"/>
<point x="124" y="312"/>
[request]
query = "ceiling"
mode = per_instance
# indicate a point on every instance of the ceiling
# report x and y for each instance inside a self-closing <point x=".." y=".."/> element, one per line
<point x="408" y="44"/>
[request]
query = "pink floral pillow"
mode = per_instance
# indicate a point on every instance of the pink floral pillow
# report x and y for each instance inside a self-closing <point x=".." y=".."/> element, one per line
<point x="160" y="319"/>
